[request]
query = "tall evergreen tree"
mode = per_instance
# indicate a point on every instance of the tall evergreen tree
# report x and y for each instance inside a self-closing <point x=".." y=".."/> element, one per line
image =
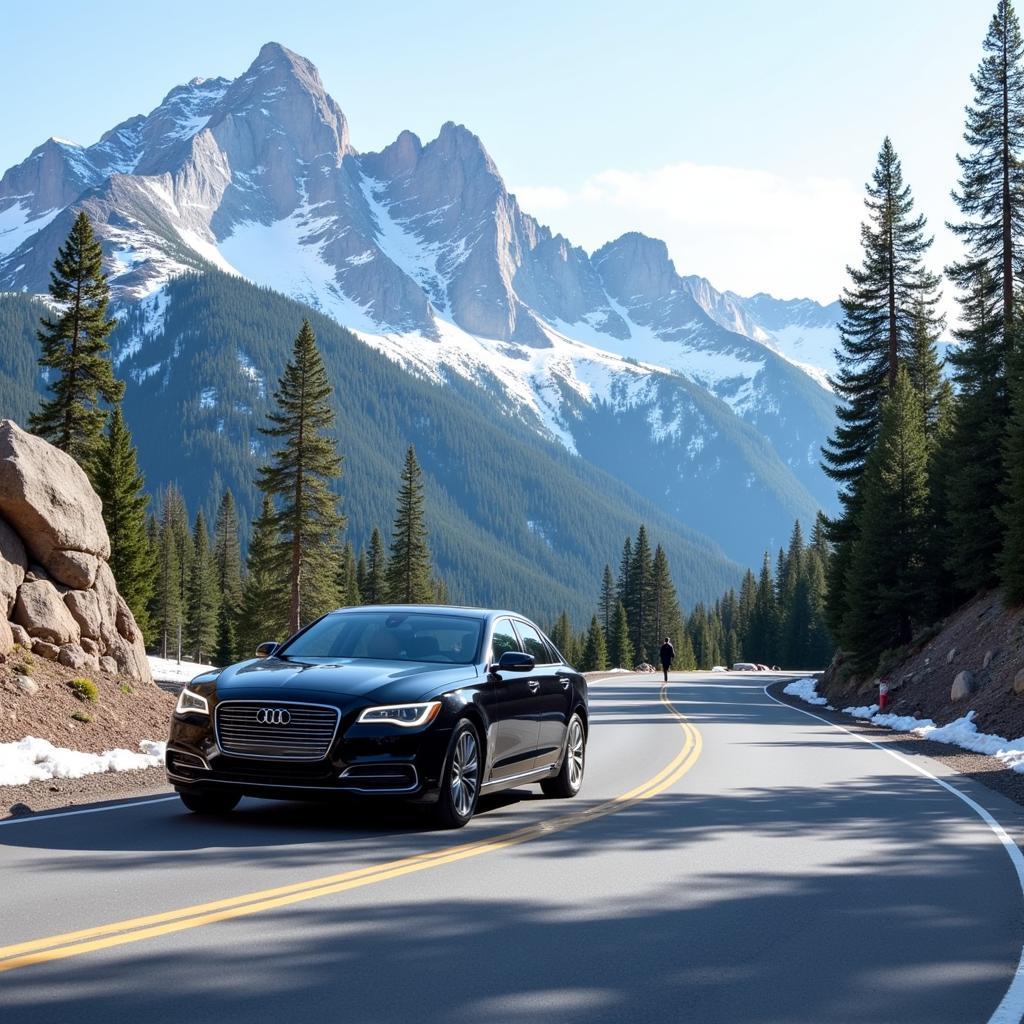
<point x="299" y="476"/>
<point x="121" y="488"/>
<point x="891" y="297"/>
<point x="607" y="601"/>
<point x="887" y="575"/>
<point x="227" y="560"/>
<point x="564" y="639"/>
<point x="639" y="598"/>
<point x="595" y="654"/>
<point x="620" y="647"/>
<point x="976" y="459"/>
<point x="991" y="188"/>
<point x="168" y="603"/>
<point x="203" y="603"/>
<point x="264" y="611"/>
<point x="375" y="576"/>
<point x="74" y="347"/>
<point x="408" y="571"/>
<point x="348" y="578"/>
<point x="666" y="618"/>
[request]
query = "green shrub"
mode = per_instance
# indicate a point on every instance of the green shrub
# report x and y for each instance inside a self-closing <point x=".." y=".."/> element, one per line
<point x="127" y="688"/>
<point x="81" y="716"/>
<point x="85" y="689"/>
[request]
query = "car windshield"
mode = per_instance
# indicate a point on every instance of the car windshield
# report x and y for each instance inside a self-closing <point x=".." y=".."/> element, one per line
<point x="390" y="636"/>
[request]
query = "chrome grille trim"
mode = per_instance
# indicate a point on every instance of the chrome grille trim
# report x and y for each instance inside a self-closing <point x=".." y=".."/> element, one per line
<point x="309" y="735"/>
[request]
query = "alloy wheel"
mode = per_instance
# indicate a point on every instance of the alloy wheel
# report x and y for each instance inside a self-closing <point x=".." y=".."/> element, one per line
<point x="465" y="773"/>
<point x="575" y="753"/>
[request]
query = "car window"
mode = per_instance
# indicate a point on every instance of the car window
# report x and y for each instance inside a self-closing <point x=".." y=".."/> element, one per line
<point x="554" y="654"/>
<point x="390" y="636"/>
<point x="533" y="644"/>
<point x="503" y="639"/>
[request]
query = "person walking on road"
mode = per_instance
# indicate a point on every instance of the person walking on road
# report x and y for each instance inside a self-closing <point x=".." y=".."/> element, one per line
<point x="667" y="653"/>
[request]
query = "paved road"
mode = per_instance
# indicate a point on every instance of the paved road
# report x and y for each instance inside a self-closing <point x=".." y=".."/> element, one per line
<point x="771" y="868"/>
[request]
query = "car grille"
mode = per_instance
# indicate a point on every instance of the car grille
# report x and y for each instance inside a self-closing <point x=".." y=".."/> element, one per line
<point x="300" y="732"/>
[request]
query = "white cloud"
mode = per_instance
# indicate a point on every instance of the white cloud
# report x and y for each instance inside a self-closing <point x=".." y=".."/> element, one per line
<point x="745" y="229"/>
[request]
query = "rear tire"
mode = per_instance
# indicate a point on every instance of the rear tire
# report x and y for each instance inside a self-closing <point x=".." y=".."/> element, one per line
<point x="214" y="804"/>
<point x="460" y="777"/>
<point x="567" y="782"/>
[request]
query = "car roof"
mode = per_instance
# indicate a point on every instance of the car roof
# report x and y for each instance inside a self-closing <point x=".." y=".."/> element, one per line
<point x="439" y="609"/>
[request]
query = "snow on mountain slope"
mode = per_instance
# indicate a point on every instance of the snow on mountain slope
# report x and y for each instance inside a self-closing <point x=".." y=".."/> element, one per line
<point x="421" y="249"/>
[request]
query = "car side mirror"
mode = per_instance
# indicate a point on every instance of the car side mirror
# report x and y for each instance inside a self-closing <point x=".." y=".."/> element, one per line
<point x="267" y="649"/>
<point x="514" y="661"/>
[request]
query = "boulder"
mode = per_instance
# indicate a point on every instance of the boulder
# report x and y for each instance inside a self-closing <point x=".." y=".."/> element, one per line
<point x="963" y="685"/>
<point x="1018" y="681"/>
<point x="90" y="647"/>
<point x="987" y="660"/>
<point x="108" y="665"/>
<point x="45" y="650"/>
<point x="13" y="563"/>
<point x="84" y="606"/>
<point x="20" y="634"/>
<point x="6" y="636"/>
<point x="74" y="568"/>
<point x="44" y="615"/>
<point x="951" y="656"/>
<point x="73" y="656"/>
<point x="47" y="498"/>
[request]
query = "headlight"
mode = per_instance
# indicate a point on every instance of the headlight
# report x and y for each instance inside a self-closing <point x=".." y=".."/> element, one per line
<point x="407" y="715"/>
<point x="188" y="701"/>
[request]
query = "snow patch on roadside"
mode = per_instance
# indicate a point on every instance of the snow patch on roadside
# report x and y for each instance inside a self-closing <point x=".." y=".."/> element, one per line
<point x="168" y="670"/>
<point x="35" y="760"/>
<point x="961" y="733"/>
<point x="806" y="690"/>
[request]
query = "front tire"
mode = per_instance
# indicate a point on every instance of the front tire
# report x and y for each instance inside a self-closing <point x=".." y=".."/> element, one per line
<point x="567" y="782"/>
<point x="460" y="778"/>
<point x="214" y="804"/>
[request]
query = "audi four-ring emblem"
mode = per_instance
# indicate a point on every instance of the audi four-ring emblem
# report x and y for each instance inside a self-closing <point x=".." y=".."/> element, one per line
<point x="273" y="716"/>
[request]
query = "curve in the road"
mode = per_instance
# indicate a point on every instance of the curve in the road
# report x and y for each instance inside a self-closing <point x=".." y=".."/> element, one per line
<point x="1011" y="1009"/>
<point x="76" y="943"/>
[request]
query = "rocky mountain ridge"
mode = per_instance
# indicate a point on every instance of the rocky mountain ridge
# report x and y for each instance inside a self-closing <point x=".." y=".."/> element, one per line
<point x="423" y="252"/>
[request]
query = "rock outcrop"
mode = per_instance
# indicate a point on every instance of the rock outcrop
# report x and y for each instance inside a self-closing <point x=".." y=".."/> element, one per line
<point x="55" y="584"/>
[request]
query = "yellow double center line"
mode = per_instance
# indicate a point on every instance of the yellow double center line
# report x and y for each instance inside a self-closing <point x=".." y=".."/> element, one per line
<point x="87" y="940"/>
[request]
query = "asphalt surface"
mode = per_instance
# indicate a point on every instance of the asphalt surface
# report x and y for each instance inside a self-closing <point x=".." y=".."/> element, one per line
<point x="774" y="868"/>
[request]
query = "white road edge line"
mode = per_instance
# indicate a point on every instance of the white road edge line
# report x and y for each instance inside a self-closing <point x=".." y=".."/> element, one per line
<point x="43" y="816"/>
<point x="1011" y="1008"/>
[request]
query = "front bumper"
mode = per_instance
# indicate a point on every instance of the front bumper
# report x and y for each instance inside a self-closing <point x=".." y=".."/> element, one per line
<point x="376" y="761"/>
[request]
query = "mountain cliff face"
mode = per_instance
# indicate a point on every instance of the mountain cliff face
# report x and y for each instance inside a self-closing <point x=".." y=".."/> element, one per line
<point x="710" y="400"/>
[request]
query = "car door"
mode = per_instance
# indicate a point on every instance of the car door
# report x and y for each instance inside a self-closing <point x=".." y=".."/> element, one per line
<point x="553" y="693"/>
<point x="512" y="705"/>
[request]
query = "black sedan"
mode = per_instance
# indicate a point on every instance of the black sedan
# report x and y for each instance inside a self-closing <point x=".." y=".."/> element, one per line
<point x="433" y="704"/>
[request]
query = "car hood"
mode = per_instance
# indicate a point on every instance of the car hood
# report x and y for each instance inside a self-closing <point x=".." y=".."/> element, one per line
<point x="392" y="682"/>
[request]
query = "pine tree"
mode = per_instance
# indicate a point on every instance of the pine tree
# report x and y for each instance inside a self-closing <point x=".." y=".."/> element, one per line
<point x="595" y="655"/>
<point x="606" y="604"/>
<point x="203" y="604"/>
<point x="891" y="297"/>
<point x="168" y="603"/>
<point x="976" y="460"/>
<point x="375" y="576"/>
<point x="264" y="612"/>
<point x="408" y="571"/>
<point x="347" y="580"/>
<point x="764" y="627"/>
<point x="300" y="475"/>
<point x="639" y="598"/>
<point x="227" y="559"/>
<point x="666" y="618"/>
<point x="620" y="647"/>
<point x="1012" y="512"/>
<point x="625" y="567"/>
<point x="887" y="573"/>
<point x="564" y="639"/>
<point x="925" y="369"/>
<point x="991" y="188"/>
<point x="74" y="346"/>
<point x="794" y="609"/>
<point x="121" y="488"/>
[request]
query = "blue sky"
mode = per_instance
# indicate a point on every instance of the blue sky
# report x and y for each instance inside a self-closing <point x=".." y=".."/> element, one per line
<point x="740" y="133"/>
